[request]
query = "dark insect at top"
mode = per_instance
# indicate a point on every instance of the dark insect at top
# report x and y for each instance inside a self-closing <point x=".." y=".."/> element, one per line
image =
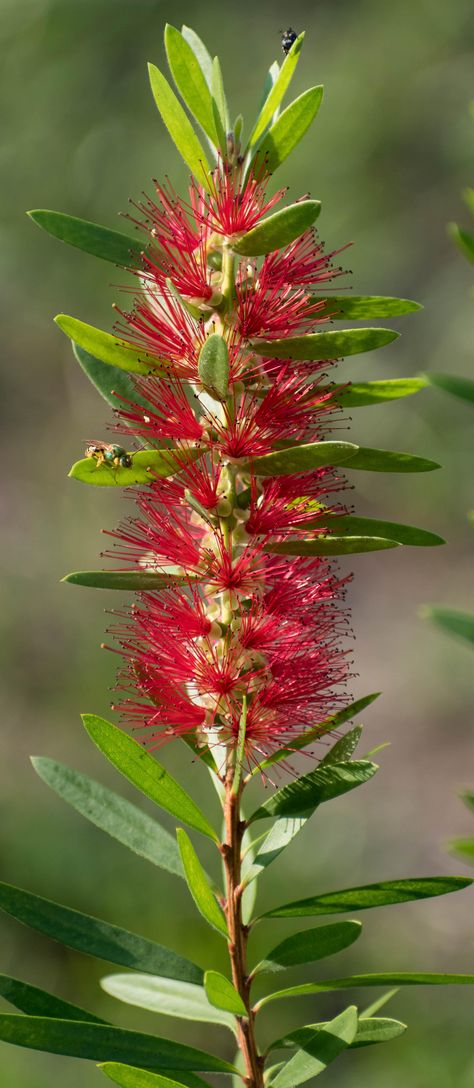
<point x="287" y="39"/>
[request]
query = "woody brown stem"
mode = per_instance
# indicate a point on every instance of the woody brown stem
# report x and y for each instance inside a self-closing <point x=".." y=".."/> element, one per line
<point x="238" y="932"/>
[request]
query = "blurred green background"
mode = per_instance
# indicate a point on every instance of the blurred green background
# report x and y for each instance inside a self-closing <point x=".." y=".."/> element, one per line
<point x="388" y="157"/>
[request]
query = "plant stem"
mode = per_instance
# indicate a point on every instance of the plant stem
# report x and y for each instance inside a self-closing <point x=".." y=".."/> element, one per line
<point x="238" y="932"/>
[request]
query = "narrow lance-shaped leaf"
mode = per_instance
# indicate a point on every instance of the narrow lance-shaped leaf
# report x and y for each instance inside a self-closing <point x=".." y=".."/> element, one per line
<point x="310" y="945"/>
<point x="358" y="307"/>
<point x="464" y="240"/>
<point x="179" y="126"/>
<point x="219" y="105"/>
<point x="166" y="996"/>
<point x="326" y="1044"/>
<point x="463" y="388"/>
<point x="146" y="466"/>
<point x="363" y="394"/>
<point x="126" y="580"/>
<point x="114" y="385"/>
<point x="146" y="773"/>
<point x="391" y="978"/>
<point x="454" y="622"/>
<point x="201" y="53"/>
<point x="198" y="885"/>
<point x="107" y="347"/>
<point x="325" y="345"/>
<point x="102" y="1043"/>
<point x="213" y="366"/>
<point x="110" y="245"/>
<point x="278" y="230"/>
<point x="301" y="797"/>
<point x="29" y="999"/>
<point x="311" y="735"/>
<point x="302" y="458"/>
<point x="343" y="748"/>
<point x="464" y="848"/>
<point x="290" y="127"/>
<point x="278" y="90"/>
<point x="94" y="936"/>
<point x="391" y="530"/>
<point x="332" y="545"/>
<point x="190" y="79"/>
<point x="128" y="1077"/>
<point x="370" y="1030"/>
<point x="112" y="814"/>
<point x="382" y="894"/>
<point x="222" y="994"/>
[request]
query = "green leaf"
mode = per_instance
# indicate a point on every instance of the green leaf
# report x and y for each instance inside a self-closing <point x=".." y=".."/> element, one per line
<point x="179" y="127"/>
<point x="463" y="847"/>
<point x="277" y="91"/>
<point x="344" y="748"/>
<point x="463" y="239"/>
<point x="107" y="347"/>
<point x="316" y="346"/>
<point x="112" y="814"/>
<point x="135" y="581"/>
<point x="200" y="51"/>
<point x="109" y="380"/>
<point x="140" y="768"/>
<point x="392" y="978"/>
<point x="102" y="1043"/>
<point x="391" y="530"/>
<point x="278" y="230"/>
<point x="379" y="1003"/>
<point x="220" y="107"/>
<point x="281" y="835"/>
<point x="332" y="545"/>
<point x="456" y="623"/>
<point x="381" y="894"/>
<point x="370" y="1030"/>
<point x="362" y="394"/>
<point x="468" y="799"/>
<point x="358" y="307"/>
<point x="213" y="366"/>
<point x="371" y="460"/>
<point x="94" y="936"/>
<point x="110" y="245"/>
<point x="128" y="1077"/>
<point x="301" y="797"/>
<point x="451" y="383"/>
<point x="302" y="458"/>
<point x="166" y="996"/>
<point x="146" y="466"/>
<point x="190" y="79"/>
<point x="198" y="885"/>
<point x="286" y="133"/>
<point x="222" y="994"/>
<point x="326" y="1044"/>
<point x="310" y="945"/>
<point x="37" y="1002"/>
<point x="311" y="735"/>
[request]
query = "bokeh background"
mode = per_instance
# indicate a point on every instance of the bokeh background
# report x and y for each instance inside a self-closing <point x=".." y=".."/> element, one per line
<point x="389" y="155"/>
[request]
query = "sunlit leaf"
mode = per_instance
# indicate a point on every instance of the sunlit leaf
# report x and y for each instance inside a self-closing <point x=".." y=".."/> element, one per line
<point x="392" y="978"/>
<point x="146" y="466"/>
<point x="370" y="1030"/>
<point x="102" y="1043"/>
<point x="302" y="458"/>
<point x="362" y="394"/>
<point x="179" y="126"/>
<point x="315" y="346"/>
<point x="223" y="994"/>
<point x="325" y="1045"/>
<point x="110" y="245"/>
<point x="332" y="545"/>
<point x="372" y="460"/>
<point x="302" y="796"/>
<point x="358" y="307"/>
<point x="94" y="936"/>
<point x="127" y="1076"/>
<point x="370" y="895"/>
<point x="190" y="79"/>
<point x="290" y="127"/>
<point x="35" y="1002"/>
<point x="166" y="996"/>
<point x="278" y="90"/>
<point x="391" y="530"/>
<point x="278" y="230"/>
<point x="136" y="581"/>
<point x="112" y="814"/>
<point x="344" y="748"/>
<point x="464" y="848"/>
<point x="310" y="945"/>
<point x="198" y="885"/>
<point x="140" y="768"/>
<point x="107" y="347"/>
<point x="200" y="51"/>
